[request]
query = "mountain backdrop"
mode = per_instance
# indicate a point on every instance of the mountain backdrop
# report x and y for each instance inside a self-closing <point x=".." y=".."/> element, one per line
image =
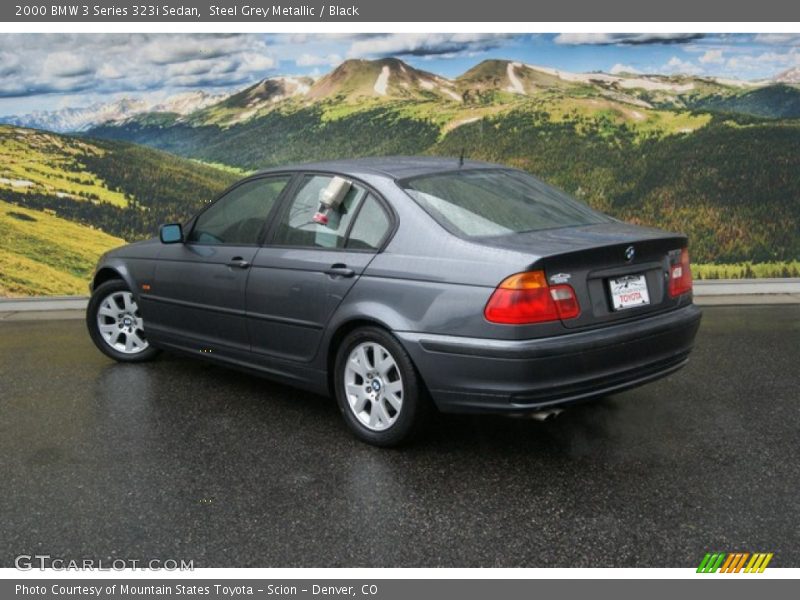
<point x="718" y="159"/>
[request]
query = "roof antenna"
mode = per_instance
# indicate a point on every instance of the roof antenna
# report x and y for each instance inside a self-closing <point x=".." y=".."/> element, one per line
<point x="461" y="159"/>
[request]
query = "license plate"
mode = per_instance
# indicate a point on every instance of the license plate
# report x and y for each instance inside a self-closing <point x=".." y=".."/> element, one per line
<point x="629" y="291"/>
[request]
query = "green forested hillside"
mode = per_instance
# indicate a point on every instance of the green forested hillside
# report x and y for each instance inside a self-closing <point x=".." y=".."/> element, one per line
<point x="42" y="254"/>
<point x="718" y="160"/>
<point x="64" y="201"/>
<point x="123" y="189"/>
<point x="293" y="136"/>
<point x="732" y="186"/>
<point x="730" y="181"/>
<point x="774" y="102"/>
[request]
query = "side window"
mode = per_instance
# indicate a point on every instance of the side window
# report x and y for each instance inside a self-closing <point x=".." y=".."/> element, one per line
<point x="297" y="227"/>
<point x="237" y="217"/>
<point x="371" y="226"/>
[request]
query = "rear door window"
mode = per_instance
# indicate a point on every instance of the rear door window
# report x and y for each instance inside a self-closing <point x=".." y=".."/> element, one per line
<point x="296" y="226"/>
<point x="371" y="226"/>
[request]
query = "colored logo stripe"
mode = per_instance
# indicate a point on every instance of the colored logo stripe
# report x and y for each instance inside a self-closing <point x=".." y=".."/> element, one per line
<point x="758" y="563"/>
<point x="711" y="562"/>
<point x="733" y="562"/>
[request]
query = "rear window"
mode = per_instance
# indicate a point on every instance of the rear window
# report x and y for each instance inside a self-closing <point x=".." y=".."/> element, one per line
<point x="495" y="202"/>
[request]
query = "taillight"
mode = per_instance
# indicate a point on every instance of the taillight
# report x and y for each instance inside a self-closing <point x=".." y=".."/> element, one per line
<point x="527" y="298"/>
<point x="680" y="276"/>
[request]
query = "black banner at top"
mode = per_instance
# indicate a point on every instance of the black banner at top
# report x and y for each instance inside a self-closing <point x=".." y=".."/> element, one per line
<point x="259" y="11"/>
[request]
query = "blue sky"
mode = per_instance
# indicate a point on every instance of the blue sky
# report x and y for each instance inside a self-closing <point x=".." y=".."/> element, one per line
<point x="53" y="71"/>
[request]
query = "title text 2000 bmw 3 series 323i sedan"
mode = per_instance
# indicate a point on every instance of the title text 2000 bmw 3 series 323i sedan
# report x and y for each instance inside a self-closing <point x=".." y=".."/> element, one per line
<point x="402" y="284"/>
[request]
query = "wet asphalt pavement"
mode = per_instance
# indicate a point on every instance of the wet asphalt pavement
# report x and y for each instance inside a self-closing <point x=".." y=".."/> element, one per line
<point x="177" y="459"/>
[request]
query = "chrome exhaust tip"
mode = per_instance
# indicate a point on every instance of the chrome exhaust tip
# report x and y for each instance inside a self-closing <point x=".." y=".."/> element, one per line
<point x="545" y="415"/>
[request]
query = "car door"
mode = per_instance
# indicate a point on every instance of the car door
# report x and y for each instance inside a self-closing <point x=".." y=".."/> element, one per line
<point x="197" y="297"/>
<point x="305" y="269"/>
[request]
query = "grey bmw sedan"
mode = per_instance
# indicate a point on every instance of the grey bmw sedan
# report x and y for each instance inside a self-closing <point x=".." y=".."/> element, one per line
<point x="403" y="285"/>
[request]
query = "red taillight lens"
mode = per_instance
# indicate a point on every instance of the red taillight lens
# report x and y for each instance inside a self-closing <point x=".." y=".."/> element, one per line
<point x="565" y="301"/>
<point x="680" y="276"/>
<point x="527" y="298"/>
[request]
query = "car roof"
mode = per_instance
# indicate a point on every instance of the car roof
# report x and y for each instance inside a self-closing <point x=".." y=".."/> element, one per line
<point x="395" y="167"/>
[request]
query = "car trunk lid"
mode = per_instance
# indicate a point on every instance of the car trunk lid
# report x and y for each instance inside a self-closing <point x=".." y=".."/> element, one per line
<point x="618" y="271"/>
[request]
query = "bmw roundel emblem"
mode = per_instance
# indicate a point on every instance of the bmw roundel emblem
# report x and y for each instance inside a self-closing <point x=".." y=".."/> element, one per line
<point x="629" y="253"/>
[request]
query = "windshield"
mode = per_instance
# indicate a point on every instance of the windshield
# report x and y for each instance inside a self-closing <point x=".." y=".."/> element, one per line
<point x="494" y="202"/>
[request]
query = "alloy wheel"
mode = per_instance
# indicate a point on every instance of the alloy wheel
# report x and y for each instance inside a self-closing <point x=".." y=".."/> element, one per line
<point x="120" y="324"/>
<point x="373" y="386"/>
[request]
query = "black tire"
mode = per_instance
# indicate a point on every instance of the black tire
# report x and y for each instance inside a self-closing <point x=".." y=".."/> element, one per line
<point x="100" y="293"/>
<point x="415" y="409"/>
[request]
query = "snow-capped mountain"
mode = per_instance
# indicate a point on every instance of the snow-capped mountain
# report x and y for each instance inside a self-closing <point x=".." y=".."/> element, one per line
<point x="388" y="78"/>
<point x="392" y="80"/>
<point x="187" y="102"/>
<point x="84" y="118"/>
<point x="788" y="76"/>
<point x="79" y="119"/>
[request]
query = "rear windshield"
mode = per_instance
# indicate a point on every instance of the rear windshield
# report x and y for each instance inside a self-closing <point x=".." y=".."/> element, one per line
<point x="495" y="202"/>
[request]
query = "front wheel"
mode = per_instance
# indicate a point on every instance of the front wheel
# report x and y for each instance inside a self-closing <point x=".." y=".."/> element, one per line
<point x="116" y="325"/>
<point x="378" y="390"/>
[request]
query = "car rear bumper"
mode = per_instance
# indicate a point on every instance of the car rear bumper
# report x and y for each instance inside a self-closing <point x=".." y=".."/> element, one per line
<point x="515" y="376"/>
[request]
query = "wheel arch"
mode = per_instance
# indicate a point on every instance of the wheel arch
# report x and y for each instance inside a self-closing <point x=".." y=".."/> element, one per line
<point x="341" y="331"/>
<point x="103" y="275"/>
<point x="109" y="272"/>
<point x="343" y="328"/>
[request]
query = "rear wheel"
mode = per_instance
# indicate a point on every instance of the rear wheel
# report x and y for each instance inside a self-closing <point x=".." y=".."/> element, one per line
<point x="116" y="325"/>
<point x="378" y="390"/>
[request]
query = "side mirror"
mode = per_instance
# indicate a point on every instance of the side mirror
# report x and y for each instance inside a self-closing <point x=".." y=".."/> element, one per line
<point x="172" y="233"/>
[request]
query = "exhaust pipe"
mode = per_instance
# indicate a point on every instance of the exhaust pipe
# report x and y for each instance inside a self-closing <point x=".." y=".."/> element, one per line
<point x="546" y="415"/>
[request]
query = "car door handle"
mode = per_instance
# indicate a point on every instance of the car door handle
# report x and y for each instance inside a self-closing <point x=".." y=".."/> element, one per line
<point x="340" y="270"/>
<point x="239" y="263"/>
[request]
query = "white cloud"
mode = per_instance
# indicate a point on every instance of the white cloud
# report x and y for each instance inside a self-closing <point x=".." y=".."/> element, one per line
<point x="778" y="38"/>
<point x="9" y="64"/>
<point x="676" y="65"/>
<point x="625" y="38"/>
<point x="66" y="64"/>
<point x="425" y="44"/>
<point x="252" y="62"/>
<point x="766" y="61"/>
<point x="174" y="49"/>
<point x="313" y="60"/>
<point x="196" y="67"/>
<point x="33" y="64"/>
<point x="712" y="57"/>
<point x="109" y="71"/>
<point x="620" y="68"/>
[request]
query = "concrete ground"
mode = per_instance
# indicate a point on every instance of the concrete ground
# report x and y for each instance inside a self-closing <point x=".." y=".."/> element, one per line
<point x="176" y="459"/>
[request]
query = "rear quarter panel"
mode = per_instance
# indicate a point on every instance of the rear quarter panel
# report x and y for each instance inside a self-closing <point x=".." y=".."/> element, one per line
<point x="428" y="280"/>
